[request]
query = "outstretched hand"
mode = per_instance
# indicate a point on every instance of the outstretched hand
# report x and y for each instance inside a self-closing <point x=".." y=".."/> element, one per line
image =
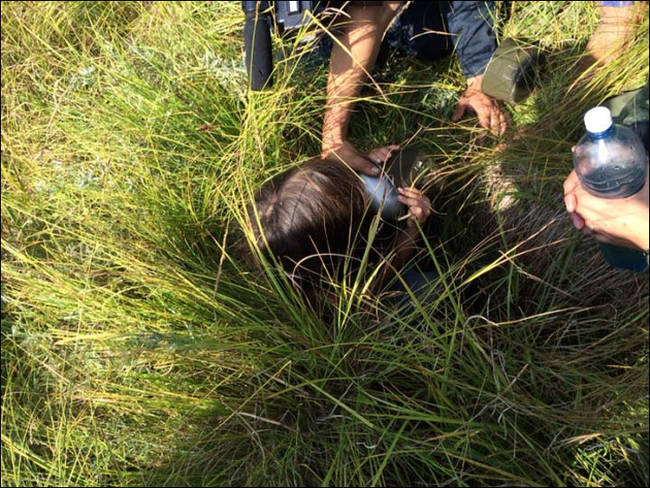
<point x="489" y="112"/>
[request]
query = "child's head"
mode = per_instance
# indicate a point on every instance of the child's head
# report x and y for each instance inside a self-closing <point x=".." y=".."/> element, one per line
<point x="309" y="217"/>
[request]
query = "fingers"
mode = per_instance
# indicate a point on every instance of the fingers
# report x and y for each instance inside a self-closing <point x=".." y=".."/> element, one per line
<point x="570" y="182"/>
<point x="362" y="164"/>
<point x="419" y="205"/>
<point x="577" y="220"/>
<point x="411" y="192"/>
<point x="498" y="119"/>
<point x="410" y="201"/>
<point x="381" y="154"/>
<point x="494" y="122"/>
<point x="484" y="118"/>
<point x="501" y="121"/>
<point x="376" y="157"/>
<point x="366" y="167"/>
<point x="418" y="213"/>
<point x="490" y="114"/>
<point x="570" y="186"/>
<point x="348" y="154"/>
<point x="460" y="111"/>
<point x="570" y="202"/>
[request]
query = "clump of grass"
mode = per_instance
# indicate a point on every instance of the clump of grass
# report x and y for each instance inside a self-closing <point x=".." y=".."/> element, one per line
<point x="138" y="348"/>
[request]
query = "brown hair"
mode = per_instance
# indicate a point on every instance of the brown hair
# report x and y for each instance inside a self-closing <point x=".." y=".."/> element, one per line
<point x="309" y="217"/>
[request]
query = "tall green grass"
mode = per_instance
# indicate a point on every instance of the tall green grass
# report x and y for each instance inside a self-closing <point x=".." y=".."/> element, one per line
<point x="139" y="348"/>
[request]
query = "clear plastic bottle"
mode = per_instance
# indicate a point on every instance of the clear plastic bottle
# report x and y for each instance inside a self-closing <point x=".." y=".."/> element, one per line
<point x="610" y="161"/>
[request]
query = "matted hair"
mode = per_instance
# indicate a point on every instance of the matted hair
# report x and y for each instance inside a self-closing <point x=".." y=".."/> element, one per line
<point x="308" y="217"/>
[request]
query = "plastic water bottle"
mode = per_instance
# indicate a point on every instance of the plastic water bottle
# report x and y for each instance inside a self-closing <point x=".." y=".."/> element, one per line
<point x="610" y="161"/>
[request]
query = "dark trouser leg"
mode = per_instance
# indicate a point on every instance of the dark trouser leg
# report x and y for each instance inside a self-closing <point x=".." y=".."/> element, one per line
<point x="420" y="31"/>
<point x="418" y="281"/>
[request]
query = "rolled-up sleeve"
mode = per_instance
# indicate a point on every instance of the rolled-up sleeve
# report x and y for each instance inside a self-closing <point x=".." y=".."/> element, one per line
<point x="471" y="27"/>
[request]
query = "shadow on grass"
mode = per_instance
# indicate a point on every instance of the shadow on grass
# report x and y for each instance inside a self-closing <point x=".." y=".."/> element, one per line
<point x="563" y="386"/>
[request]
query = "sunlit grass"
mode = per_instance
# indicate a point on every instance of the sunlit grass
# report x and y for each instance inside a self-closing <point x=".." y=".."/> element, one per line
<point x="138" y="347"/>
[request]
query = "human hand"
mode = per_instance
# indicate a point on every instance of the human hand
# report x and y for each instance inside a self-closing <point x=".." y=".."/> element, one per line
<point x="489" y="112"/>
<point x="622" y="221"/>
<point x="380" y="155"/>
<point x="344" y="151"/>
<point x="419" y="205"/>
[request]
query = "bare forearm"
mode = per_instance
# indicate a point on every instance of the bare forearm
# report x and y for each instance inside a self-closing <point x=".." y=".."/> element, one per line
<point x="406" y="245"/>
<point x="350" y="62"/>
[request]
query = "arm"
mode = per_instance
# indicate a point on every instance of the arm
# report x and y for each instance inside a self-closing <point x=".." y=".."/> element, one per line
<point x="405" y="247"/>
<point x="471" y="25"/>
<point x="618" y="21"/>
<point x="361" y="38"/>
<point x="406" y="243"/>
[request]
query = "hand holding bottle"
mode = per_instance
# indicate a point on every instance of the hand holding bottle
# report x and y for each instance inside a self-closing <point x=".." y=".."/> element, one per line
<point x="607" y="193"/>
<point x="622" y="221"/>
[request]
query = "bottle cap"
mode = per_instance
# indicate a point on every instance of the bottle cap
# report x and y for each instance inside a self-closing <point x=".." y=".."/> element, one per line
<point x="598" y="119"/>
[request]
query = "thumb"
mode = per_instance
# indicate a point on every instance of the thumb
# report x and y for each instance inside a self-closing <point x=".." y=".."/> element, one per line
<point x="460" y="110"/>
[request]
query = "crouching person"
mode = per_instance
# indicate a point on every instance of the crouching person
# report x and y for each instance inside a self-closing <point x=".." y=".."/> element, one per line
<point x="326" y="226"/>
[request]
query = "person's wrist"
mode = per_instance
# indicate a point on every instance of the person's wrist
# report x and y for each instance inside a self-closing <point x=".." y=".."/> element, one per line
<point x="332" y="136"/>
<point x="330" y="145"/>
<point x="474" y="83"/>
